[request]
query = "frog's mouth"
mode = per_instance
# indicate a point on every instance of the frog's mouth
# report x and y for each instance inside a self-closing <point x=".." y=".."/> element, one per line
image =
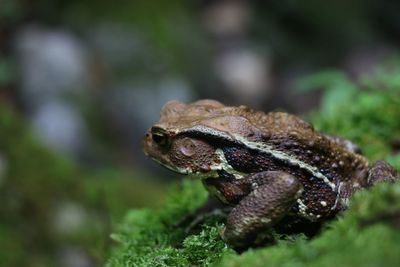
<point x="166" y="163"/>
<point x="170" y="167"/>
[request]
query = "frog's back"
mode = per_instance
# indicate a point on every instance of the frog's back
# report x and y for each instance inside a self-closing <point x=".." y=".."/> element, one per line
<point x="299" y="138"/>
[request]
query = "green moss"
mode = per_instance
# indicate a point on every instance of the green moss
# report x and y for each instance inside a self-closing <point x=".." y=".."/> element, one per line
<point x="368" y="234"/>
<point x="150" y="237"/>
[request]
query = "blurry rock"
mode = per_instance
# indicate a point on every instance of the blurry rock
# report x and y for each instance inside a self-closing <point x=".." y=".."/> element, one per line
<point x="60" y="126"/>
<point x="53" y="69"/>
<point x="227" y="17"/>
<point x="69" y="218"/>
<point x="245" y="73"/>
<point x="52" y="63"/>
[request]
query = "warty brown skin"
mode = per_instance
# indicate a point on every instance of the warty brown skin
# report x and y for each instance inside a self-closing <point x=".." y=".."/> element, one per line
<point x="268" y="166"/>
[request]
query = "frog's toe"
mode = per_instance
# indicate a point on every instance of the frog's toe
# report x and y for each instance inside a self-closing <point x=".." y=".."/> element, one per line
<point x="382" y="172"/>
<point x="236" y="239"/>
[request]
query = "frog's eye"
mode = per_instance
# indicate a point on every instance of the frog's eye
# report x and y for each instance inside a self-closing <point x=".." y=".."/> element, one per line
<point x="160" y="139"/>
<point x="159" y="136"/>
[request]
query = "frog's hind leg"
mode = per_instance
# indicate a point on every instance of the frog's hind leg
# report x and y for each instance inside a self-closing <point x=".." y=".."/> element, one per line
<point x="382" y="172"/>
<point x="262" y="208"/>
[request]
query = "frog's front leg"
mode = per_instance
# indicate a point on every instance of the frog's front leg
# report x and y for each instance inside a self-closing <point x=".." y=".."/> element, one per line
<point x="381" y="172"/>
<point x="273" y="194"/>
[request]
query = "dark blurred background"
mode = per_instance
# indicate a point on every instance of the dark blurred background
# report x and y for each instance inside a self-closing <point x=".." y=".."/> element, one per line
<point x="80" y="81"/>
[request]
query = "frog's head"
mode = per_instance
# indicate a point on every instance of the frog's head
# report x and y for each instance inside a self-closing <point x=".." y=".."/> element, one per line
<point x="188" y="137"/>
<point x="174" y="143"/>
<point x="179" y="152"/>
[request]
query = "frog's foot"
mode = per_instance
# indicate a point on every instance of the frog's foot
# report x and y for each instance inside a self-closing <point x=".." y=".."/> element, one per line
<point x="382" y="172"/>
<point x="261" y="209"/>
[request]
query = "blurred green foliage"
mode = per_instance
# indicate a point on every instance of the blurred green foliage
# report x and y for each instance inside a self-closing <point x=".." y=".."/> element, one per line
<point x="37" y="184"/>
<point x="7" y="71"/>
<point x="367" y="234"/>
<point x="365" y="112"/>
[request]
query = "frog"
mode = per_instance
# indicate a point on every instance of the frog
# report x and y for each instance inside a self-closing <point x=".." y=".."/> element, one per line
<point x="271" y="168"/>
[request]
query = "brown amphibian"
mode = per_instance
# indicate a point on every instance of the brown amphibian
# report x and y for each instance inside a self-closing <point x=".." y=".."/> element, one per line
<point x="272" y="168"/>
